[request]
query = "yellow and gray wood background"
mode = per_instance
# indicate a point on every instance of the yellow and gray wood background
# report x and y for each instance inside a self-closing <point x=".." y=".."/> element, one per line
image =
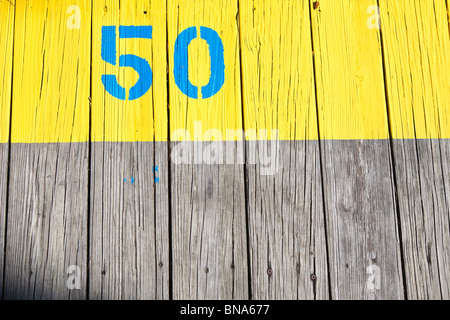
<point x="363" y="115"/>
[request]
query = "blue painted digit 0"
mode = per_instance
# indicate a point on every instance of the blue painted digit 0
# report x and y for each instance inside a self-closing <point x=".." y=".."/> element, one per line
<point x="216" y="53"/>
<point x="142" y="67"/>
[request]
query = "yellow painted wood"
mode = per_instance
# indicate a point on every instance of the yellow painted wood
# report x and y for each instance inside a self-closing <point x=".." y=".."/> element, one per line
<point x="144" y="119"/>
<point x="349" y="73"/>
<point x="51" y="73"/>
<point x="52" y="70"/>
<point x="417" y="53"/>
<point x="277" y="68"/>
<point x="223" y="111"/>
<point x="6" y="48"/>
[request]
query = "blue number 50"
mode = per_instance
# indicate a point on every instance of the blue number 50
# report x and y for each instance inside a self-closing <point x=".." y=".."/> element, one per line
<point x="139" y="64"/>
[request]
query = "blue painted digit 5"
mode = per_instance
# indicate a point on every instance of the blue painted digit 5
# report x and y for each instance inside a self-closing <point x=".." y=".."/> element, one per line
<point x="142" y="67"/>
<point x="216" y="53"/>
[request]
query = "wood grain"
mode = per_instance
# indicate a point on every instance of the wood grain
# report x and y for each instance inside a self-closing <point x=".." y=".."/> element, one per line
<point x="209" y="228"/>
<point x="129" y="239"/>
<point x="208" y="200"/>
<point x="361" y="221"/>
<point x="357" y="174"/>
<point x="129" y="212"/>
<point x="416" y="44"/>
<point x="47" y="213"/>
<point x="7" y="11"/>
<point x="6" y="61"/>
<point x="285" y="208"/>
<point x="4" y="150"/>
<point x="286" y="223"/>
<point x="47" y="221"/>
<point x="277" y="68"/>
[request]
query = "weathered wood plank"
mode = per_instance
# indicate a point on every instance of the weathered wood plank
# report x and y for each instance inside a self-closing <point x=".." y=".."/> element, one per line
<point x="209" y="228"/>
<point x="358" y="183"/>
<point x="361" y="221"/>
<point x="129" y="239"/>
<point x="416" y="44"/>
<point x="129" y="221"/>
<point x="286" y="217"/>
<point x="4" y="149"/>
<point x="47" y="213"/>
<point x="287" y="231"/>
<point x="47" y="221"/>
<point x="208" y="200"/>
<point x="6" y="60"/>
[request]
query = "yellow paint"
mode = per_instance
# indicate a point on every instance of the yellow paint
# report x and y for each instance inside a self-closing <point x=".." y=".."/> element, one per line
<point x="144" y="119"/>
<point x="417" y="51"/>
<point x="349" y="72"/>
<point x="224" y="110"/>
<point x="6" y="49"/>
<point x="52" y="70"/>
<point x="277" y="65"/>
<point x="51" y="73"/>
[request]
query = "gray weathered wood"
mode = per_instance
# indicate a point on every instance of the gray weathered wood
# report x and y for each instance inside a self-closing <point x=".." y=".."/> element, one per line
<point x="209" y="228"/>
<point x="3" y="187"/>
<point x="422" y="174"/>
<point x="286" y="223"/>
<point x="361" y="219"/>
<point x="129" y="239"/>
<point x="47" y="220"/>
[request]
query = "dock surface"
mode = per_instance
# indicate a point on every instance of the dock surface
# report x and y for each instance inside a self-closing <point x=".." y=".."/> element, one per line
<point x="212" y="149"/>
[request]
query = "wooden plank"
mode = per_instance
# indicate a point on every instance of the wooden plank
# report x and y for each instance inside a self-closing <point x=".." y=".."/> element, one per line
<point x="358" y="184"/>
<point x="47" y="213"/>
<point x="286" y="217"/>
<point x="4" y="149"/>
<point x="209" y="229"/>
<point x="129" y="239"/>
<point x="286" y="223"/>
<point x="417" y="48"/>
<point x="129" y="222"/>
<point x="208" y="200"/>
<point x="6" y="59"/>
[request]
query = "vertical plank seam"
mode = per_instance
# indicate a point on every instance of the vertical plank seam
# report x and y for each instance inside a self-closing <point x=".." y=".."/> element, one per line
<point x="320" y="155"/>
<point x="448" y="15"/>
<point x="169" y="145"/>
<point x="246" y="188"/>
<point x="88" y="231"/>
<point x="9" y="156"/>
<point x="392" y="161"/>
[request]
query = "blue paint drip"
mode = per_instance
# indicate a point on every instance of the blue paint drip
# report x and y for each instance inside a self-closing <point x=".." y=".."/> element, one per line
<point x="155" y="169"/>
<point x="181" y="68"/>
<point x="132" y="180"/>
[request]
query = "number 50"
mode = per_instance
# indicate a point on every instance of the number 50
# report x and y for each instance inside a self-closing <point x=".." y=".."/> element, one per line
<point x="142" y="67"/>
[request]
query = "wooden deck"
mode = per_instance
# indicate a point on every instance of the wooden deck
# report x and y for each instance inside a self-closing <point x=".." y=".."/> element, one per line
<point x="94" y="203"/>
